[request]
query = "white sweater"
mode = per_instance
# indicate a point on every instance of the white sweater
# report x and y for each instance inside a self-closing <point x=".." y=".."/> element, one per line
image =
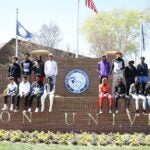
<point x="24" y="88"/>
<point x="12" y="88"/>
<point x="50" y="68"/>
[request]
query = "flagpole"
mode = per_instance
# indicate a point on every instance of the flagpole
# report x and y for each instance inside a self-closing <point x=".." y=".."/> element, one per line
<point x="16" y="33"/>
<point x="77" y="48"/>
<point x="141" y="44"/>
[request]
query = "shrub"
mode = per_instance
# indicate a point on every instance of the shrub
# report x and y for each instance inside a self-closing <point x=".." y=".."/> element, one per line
<point x="147" y="140"/>
<point x="83" y="138"/>
<point x="102" y="139"/>
<point x="118" y="139"/>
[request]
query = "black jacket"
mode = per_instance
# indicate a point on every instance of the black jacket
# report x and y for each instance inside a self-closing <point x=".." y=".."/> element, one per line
<point x="130" y="72"/>
<point x="120" y="88"/>
<point x="14" y="70"/>
<point x="142" y="70"/>
<point x="38" y="67"/>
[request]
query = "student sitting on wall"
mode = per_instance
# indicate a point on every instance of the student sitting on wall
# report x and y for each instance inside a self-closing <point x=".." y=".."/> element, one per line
<point x="37" y="90"/>
<point x="11" y="92"/>
<point x="48" y="92"/>
<point x="104" y="94"/>
<point x="136" y="93"/>
<point x="147" y="94"/>
<point x="24" y="92"/>
<point x="120" y="92"/>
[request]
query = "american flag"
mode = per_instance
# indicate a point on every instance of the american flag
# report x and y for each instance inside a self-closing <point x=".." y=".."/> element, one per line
<point x="91" y="5"/>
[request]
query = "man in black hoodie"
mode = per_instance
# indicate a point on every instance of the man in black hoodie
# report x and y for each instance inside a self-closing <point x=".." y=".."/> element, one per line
<point x="14" y="70"/>
<point x="130" y="74"/>
<point x="120" y="93"/>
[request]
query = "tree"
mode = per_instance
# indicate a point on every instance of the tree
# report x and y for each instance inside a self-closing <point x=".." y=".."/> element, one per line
<point x="114" y="30"/>
<point x="49" y="35"/>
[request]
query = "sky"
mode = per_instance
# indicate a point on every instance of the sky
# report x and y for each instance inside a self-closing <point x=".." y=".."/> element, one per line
<point x="34" y="13"/>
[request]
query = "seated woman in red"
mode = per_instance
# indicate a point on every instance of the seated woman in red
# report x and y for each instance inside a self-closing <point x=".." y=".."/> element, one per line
<point x="104" y="94"/>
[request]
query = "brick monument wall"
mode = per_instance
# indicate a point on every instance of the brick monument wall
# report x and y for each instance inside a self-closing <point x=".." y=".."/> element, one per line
<point x="74" y="112"/>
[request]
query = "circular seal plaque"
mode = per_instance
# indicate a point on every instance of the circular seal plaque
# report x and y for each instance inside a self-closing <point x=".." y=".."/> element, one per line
<point x="76" y="81"/>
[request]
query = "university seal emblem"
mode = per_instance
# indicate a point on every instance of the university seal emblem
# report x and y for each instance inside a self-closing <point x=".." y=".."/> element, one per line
<point x="76" y="81"/>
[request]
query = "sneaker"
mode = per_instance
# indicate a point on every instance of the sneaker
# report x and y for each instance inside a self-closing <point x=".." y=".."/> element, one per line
<point x="50" y="110"/>
<point x="116" y="111"/>
<point x="100" y="111"/>
<point x="144" y="112"/>
<point x="36" y="110"/>
<point x="5" y="107"/>
<point x="42" y="110"/>
<point x="24" y="111"/>
<point x="110" y="111"/>
<point x="29" y="109"/>
<point x="127" y="111"/>
<point x="11" y="107"/>
<point x="16" y="110"/>
<point x="137" y="113"/>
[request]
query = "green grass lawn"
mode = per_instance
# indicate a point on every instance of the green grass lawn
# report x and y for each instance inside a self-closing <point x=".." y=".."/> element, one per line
<point x="22" y="146"/>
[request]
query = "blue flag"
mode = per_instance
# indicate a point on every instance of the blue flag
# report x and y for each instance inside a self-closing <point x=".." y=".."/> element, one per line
<point x="142" y="38"/>
<point x="22" y="32"/>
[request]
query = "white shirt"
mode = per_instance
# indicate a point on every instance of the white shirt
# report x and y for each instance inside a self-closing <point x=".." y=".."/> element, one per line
<point x="50" y="68"/>
<point x="12" y="88"/>
<point x="24" y="88"/>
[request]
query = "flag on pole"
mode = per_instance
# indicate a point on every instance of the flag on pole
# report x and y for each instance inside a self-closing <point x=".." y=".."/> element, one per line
<point x="142" y="38"/>
<point x="91" y="5"/>
<point x="22" y="32"/>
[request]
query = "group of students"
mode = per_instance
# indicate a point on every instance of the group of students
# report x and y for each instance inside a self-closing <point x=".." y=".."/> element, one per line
<point x="135" y="86"/>
<point x="29" y="88"/>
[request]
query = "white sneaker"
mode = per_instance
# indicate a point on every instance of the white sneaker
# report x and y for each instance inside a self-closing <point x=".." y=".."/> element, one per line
<point x="5" y="107"/>
<point x="36" y="110"/>
<point x="110" y="111"/>
<point x="127" y="111"/>
<point x="117" y="111"/>
<point x="16" y="110"/>
<point x="50" y="110"/>
<point x="42" y="109"/>
<point x="29" y="109"/>
<point x="11" y="107"/>
<point x="100" y="111"/>
<point x="24" y="111"/>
